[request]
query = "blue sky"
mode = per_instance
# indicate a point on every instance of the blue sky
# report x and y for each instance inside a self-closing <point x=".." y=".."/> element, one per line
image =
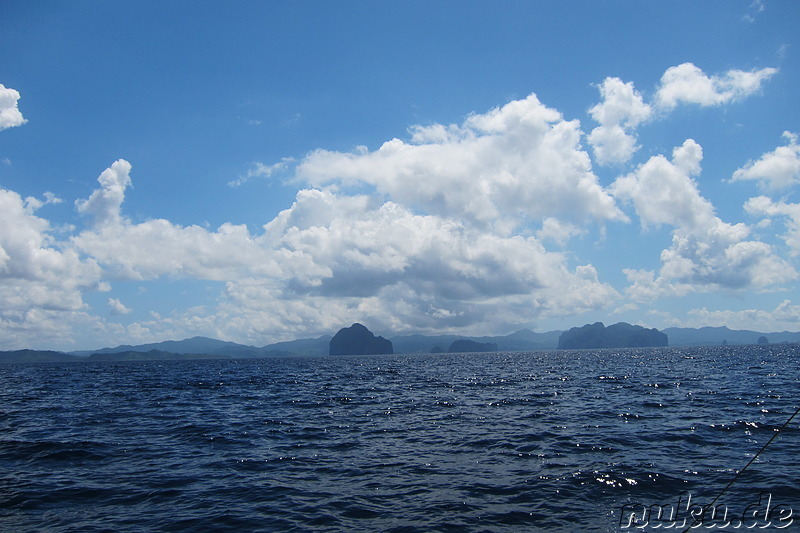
<point x="262" y="171"/>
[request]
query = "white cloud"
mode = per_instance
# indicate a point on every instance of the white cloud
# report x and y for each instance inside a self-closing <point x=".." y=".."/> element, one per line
<point x="514" y="164"/>
<point x="559" y="232"/>
<point x="104" y="204"/>
<point x="28" y="252"/>
<point x="612" y="144"/>
<point x="706" y="253"/>
<point x="117" y="307"/>
<point x="620" y="112"/>
<point x="785" y="317"/>
<point x="688" y="84"/>
<point x="258" y="309"/>
<point x="41" y="282"/>
<point x="776" y="170"/>
<point x="332" y="255"/>
<point x="623" y="109"/>
<point x="10" y="115"/>
<point x="664" y="192"/>
<point x="260" y="170"/>
<point x="158" y="247"/>
<point x="763" y="206"/>
<point x="449" y="232"/>
<point x="356" y="249"/>
<point x="446" y="271"/>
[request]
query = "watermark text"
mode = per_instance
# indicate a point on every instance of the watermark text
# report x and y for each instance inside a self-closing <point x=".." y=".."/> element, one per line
<point x="685" y="513"/>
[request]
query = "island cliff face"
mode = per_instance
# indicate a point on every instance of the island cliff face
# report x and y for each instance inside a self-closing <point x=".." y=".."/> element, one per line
<point x="620" y="335"/>
<point x="358" y="340"/>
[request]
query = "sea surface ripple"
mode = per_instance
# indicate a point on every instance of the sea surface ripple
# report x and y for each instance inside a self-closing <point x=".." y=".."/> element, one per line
<point x="525" y="441"/>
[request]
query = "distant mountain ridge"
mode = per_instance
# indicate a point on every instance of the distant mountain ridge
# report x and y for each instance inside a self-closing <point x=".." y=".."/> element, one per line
<point x="35" y="356"/>
<point x="192" y="345"/>
<point x="465" y="345"/>
<point x="307" y="347"/>
<point x="713" y="336"/>
<point x="522" y="340"/>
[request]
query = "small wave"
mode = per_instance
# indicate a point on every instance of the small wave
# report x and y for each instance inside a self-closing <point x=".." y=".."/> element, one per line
<point x="54" y="450"/>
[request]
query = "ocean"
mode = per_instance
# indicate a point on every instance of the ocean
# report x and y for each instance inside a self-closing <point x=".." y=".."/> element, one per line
<point x="604" y="440"/>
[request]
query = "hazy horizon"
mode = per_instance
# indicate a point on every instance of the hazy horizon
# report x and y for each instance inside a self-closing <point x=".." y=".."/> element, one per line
<point x="431" y="335"/>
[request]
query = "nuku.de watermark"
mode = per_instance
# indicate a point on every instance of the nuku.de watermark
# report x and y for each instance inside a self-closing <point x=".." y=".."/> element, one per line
<point x="686" y="514"/>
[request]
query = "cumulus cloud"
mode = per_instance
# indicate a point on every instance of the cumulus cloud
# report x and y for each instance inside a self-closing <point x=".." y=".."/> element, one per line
<point x="260" y="309"/>
<point x="41" y="282"/>
<point x="447" y="230"/>
<point x="104" y="204"/>
<point x="349" y="247"/>
<point x="117" y="307"/>
<point x="623" y="109"/>
<point x="776" y="170"/>
<point x="620" y="112"/>
<point x="350" y="256"/>
<point x="686" y="83"/>
<point x="28" y="252"/>
<point x="558" y="232"/>
<point x="158" y="247"/>
<point x="664" y="192"/>
<point x="789" y="212"/>
<point x="516" y="163"/>
<point x="706" y="253"/>
<point x="332" y="255"/>
<point x="10" y="114"/>
<point x="785" y="316"/>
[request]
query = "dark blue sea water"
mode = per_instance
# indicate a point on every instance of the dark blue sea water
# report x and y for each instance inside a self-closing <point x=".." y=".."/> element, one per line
<point x="552" y="441"/>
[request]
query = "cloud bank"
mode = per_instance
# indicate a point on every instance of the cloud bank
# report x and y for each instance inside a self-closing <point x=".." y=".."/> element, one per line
<point x="466" y="227"/>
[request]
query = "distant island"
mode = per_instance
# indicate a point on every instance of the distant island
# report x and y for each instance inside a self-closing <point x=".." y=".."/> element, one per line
<point x="358" y="340"/>
<point x="619" y="335"/>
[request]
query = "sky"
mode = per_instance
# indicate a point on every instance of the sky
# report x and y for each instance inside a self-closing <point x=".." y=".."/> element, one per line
<point x="266" y="171"/>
